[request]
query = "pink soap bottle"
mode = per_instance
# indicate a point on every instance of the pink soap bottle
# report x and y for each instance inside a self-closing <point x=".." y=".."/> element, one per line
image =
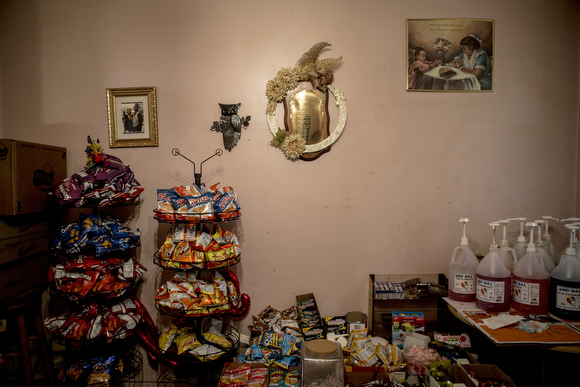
<point x="462" y="270"/>
<point x="493" y="280"/>
<point x="531" y="281"/>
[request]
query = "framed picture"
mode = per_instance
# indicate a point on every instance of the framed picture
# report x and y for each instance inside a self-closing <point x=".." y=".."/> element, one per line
<point x="132" y="117"/>
<point x="450" y="55"/>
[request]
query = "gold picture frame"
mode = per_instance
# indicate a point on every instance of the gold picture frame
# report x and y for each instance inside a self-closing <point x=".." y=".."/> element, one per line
<point x="437" y="62"/>
<point x="132" y="116"/>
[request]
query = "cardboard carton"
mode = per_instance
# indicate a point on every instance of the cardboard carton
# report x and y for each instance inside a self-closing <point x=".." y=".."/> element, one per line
<point x="23" y="236"/>
<point x="362" y="375"/>
<point x="459" y="378"/>
<point x="483" y="371"/>
<point x="22" y="275"/>
<point x="28" y="171"/>
<point x="405" y="323"/>
<point x="314" y="327"/>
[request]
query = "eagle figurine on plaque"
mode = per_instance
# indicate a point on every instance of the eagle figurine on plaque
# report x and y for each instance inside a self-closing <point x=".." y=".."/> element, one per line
<point x="304" y="90"/>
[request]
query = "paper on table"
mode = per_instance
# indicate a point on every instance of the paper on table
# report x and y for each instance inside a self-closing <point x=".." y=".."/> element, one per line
<point x="502" y="320"/>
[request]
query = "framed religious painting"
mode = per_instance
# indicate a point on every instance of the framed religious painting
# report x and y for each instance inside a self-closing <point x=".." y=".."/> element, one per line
<point x="450" y="55"/>
<point x="132" y="117"/>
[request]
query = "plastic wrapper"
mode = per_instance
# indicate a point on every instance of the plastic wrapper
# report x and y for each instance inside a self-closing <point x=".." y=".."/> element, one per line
<point x="103" y="183"/>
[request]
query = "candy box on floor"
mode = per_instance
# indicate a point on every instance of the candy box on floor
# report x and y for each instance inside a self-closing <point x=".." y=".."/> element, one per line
<point x="405" y="323"/>
<point x="360" y="375"/>
<point x="487" y="371"/>
<point x="240" y="374"/>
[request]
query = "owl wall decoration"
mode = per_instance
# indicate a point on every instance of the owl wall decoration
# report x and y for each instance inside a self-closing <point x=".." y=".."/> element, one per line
<point x="230" y="124"/>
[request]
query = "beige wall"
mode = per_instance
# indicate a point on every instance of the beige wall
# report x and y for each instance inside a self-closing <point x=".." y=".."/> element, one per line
<point x="388" y="196"/>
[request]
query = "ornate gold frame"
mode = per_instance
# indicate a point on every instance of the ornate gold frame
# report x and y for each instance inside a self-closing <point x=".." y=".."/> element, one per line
<point x="333" y="136"/>
<point x="146" y="96"/>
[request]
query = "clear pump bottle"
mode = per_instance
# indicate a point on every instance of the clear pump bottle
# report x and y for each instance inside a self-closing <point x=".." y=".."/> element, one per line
<point x="493" y="280"/>
<point x="462" y="270"/>
<point x="548" y="261"/>
<point x="507" y="253"/>
<point x="531" y="281"/>
<point x="521" y="245"/>
<point x="564" y="297"/>
<point x="548" y="245"/>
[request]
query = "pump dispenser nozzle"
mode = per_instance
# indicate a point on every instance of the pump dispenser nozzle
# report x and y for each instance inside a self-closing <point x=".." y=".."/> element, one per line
<point x="531" y="245"/>
<point x="464" y="238"/>
<point x="540" y="242"/>
<point x="521" y="237"/>
<point x="493" y="245"/>
<point x="546" y="231"/>
<point x="504" y="241"/>
<point x="571" y="250"/>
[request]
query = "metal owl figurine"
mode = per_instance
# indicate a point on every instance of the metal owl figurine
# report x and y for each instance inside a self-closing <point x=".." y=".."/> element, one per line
<point x="230" y="124"/>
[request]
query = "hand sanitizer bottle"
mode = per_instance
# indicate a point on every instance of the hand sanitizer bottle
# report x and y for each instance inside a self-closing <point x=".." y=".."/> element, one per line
<point x="493" y="280"/>
<point x="564" y="297"/>
<point x="462" y="270"/>
<point x="531" y="281"/>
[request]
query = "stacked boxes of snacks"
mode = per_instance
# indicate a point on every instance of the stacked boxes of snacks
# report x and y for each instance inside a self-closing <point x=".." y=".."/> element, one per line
<point x="405" y="323"/>
<point x="310" y="321"/>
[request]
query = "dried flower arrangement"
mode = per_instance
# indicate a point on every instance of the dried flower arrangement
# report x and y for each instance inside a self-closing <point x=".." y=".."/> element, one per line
<point x="308" y="68"/>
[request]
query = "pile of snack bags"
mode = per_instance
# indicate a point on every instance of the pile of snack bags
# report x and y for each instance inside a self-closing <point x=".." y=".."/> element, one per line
<point x="193" y="204"/>
<point x="107" y="182"/>
<point x="187" y="247"/>
<point x="95" y="321"/>
<point x="96" y="371"/>
<point x="88" y="276"/>
<point x="183" y="337"/>
<point x="100" y="233"/>
<point x="187" y="294"/>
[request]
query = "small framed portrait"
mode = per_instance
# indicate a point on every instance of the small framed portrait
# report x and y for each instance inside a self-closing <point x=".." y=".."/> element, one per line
<point x="450" y="55"/>
<point x="132" y="117"/>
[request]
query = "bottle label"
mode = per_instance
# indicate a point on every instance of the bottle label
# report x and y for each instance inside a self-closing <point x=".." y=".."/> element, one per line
<point x="568" y="298"/>
<point x="463" y="283"/>
<point x="526" y="293"/>
<point x="490" y="291"/>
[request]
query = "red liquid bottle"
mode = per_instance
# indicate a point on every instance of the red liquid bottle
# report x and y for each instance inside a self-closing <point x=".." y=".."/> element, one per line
<point x="493" y="281"/>
<point x="531" y="282"/>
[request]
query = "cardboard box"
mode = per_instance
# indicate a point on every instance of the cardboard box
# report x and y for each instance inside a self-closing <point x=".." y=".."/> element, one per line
<point x="28" y="171"/>
<point x="362" y="375"/>
<point x="355" y="321"/>
<point x="313" y="328"/>
<point x="437" y="314"/>
<point x="405" y="323"/>
<point x="336" y="325"/>
<point x="22" y="275"/>
<point x="23" y="236"/>
<point x="459" y="378"/>
<point x="483" y="371"/>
